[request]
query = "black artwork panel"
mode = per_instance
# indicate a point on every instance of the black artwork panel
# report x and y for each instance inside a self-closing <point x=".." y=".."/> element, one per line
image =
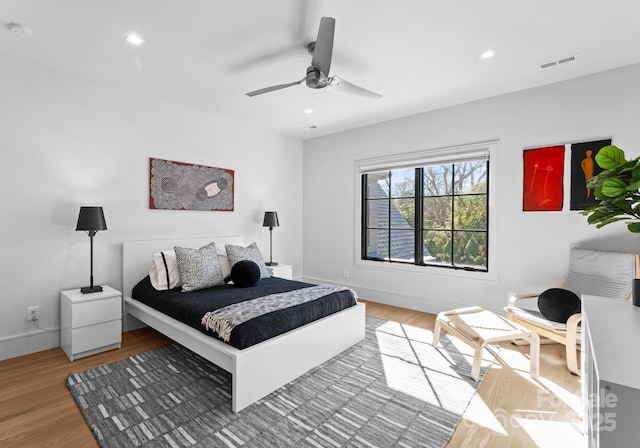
<point x="583" y="167"/>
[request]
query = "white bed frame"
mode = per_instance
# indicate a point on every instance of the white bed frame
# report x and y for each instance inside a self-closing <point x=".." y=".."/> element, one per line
<point x="257" y="370"/>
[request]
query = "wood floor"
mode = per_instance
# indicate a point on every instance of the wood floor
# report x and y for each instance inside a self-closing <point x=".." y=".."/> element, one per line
<point x="509" y="409"/>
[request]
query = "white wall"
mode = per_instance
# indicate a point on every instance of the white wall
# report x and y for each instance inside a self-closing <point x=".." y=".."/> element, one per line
<point x="67" y="142"/>
<point x="532" y="247"/>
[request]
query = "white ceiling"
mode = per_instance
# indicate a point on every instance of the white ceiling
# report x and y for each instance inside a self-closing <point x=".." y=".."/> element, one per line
<point x="420" y="54"/>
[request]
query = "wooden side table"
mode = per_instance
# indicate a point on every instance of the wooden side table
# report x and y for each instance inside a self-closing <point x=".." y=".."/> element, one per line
<point x="479" y="327"/>
<point x="90" y="323"/>
<point x="282" y="271"/>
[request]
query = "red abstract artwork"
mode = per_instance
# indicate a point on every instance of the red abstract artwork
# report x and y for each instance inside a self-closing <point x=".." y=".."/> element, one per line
<point x="543" y="177"/>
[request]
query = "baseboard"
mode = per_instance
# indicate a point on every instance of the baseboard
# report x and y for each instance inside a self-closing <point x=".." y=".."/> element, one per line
<point x="419" y="303"/>
<point x="27" y="343"/>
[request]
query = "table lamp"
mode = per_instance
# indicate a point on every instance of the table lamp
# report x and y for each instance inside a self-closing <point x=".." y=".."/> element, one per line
<point x="91" y="219"/>
<point x="271" y="221"/>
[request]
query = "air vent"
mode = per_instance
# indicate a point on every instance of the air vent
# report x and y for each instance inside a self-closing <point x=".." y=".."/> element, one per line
<point x="567" y="59"/>
<point x="564" y="60"/>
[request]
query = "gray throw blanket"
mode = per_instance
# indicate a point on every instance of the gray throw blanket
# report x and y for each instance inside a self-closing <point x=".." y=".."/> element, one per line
<point x="224" y="320"/>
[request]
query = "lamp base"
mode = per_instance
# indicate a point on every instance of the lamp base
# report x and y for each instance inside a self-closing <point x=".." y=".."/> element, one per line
<point x="90" y="289"/>
<point x="271" y="263"/>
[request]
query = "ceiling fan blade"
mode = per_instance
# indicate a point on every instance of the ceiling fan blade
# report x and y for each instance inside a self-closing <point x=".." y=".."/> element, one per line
<point x="301" y="28"/>
<point x="301" y="32"/>
<point x="339" y="85"/>
<point x="273" y="56"/>
<point x="273" y="88"/>
<point x="324" y="45"/>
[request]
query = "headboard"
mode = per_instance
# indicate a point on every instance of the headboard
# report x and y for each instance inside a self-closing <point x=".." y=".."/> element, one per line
<point x="137" y="255"/>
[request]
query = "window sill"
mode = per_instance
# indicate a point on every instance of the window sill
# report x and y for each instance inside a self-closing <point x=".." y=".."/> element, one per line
<point x="435" y="271"/>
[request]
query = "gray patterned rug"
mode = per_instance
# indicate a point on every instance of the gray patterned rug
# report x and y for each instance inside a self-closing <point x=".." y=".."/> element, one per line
<point x="394" y="389"/>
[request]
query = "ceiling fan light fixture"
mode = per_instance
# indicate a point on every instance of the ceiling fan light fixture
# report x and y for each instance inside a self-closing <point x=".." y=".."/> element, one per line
<point x="315" y="78"/>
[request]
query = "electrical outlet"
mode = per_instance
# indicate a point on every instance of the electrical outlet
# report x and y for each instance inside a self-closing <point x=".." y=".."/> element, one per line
<point x="33" y="313"/>
<point x="345" y="273"/>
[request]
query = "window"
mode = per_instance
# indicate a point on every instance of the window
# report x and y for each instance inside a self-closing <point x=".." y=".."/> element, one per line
<point x="433" y="211"/>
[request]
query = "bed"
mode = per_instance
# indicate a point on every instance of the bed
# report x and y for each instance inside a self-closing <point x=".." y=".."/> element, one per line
<point x="258" y="369"/>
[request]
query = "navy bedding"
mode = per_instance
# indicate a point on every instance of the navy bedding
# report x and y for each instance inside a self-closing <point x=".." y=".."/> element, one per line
<point x="190" y="307"/>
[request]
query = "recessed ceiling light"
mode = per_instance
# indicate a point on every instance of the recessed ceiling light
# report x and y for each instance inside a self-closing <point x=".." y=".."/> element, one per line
<point x="488" y="54"/>
<point x="308" y="111"/>
<point x="134" y="39"/>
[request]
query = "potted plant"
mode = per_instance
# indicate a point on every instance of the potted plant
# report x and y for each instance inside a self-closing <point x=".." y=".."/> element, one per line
<point x="616" y="188"/>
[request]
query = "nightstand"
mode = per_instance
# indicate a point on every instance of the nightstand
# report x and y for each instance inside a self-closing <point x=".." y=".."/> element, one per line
<point x="90" y="323"/>
<point x="282" y="271"/>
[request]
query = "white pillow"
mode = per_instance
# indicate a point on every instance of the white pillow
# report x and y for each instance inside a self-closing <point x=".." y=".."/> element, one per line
<point x="223" y="260"/>
<point x="164" y="272"/>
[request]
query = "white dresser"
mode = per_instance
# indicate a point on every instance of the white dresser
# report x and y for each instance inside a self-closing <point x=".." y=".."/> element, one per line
<point x="90" y="323"/>
<point x="611" y="372"/>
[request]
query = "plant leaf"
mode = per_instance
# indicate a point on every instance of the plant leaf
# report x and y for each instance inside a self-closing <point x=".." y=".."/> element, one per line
<point x="634" y="186"/>
<point x="610" y="157"/>
<point x="617" y="188"/>
<point x="613" y="187"/>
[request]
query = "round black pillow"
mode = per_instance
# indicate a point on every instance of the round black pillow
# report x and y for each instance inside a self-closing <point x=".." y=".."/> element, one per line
<point x="245" y="273"/>
<point x="558" y="304"/>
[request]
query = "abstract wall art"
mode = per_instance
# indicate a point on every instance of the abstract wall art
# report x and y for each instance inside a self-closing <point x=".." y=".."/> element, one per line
<point x="583" y="167"/>
<point x="185" y="186"/>
<point x="543" y="177"/>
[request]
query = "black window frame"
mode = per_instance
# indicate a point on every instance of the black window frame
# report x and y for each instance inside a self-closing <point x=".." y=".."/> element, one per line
<point x="418" y="228"/>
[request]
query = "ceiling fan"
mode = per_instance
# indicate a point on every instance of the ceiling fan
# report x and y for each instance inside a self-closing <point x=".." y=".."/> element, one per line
<point x="318" y="72"/>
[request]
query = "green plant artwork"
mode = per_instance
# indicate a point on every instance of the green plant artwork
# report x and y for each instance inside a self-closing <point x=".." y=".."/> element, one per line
<point x="616" y="189"/>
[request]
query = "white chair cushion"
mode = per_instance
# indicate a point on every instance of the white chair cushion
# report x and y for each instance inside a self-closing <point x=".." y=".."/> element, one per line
<point x="600" y="273"/>
<point x="536" y="318"/>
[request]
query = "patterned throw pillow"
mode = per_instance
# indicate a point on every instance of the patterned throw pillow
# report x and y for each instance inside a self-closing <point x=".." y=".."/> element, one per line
<point x="251" y="253"/>
<point x="199" y="268"/>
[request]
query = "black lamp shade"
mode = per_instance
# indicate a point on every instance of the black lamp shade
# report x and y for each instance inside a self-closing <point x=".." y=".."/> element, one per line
<point x="92" y="218"/>
<point x="270" y="219"/>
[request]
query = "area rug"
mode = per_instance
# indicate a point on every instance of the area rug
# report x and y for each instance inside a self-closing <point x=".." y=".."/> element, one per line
<point x="394" y="389"/>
